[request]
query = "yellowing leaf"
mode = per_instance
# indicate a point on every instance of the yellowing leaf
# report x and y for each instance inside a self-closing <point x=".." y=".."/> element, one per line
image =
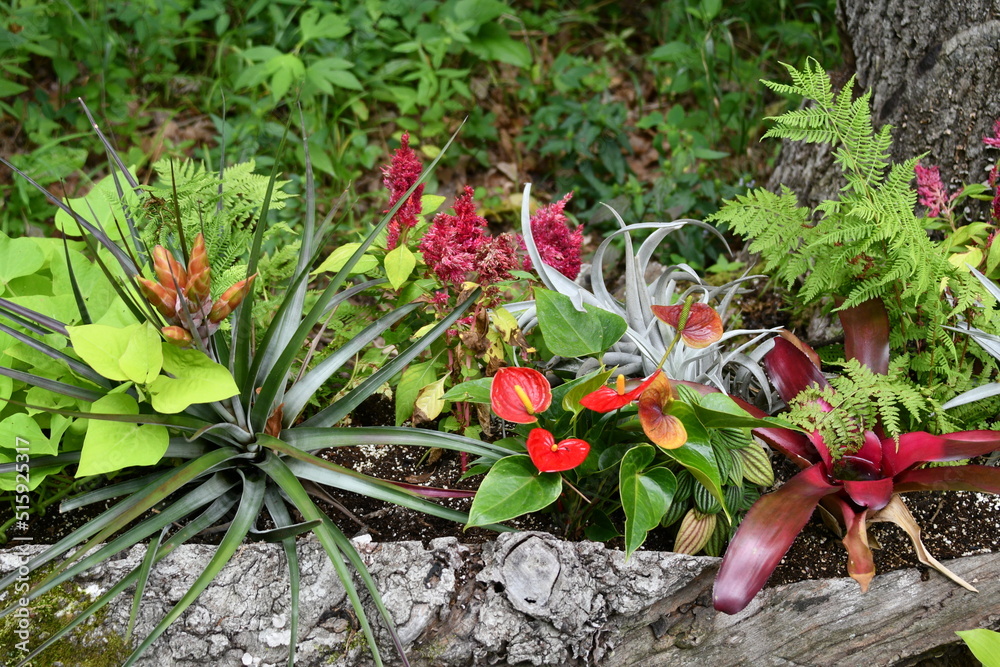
<point x="338" y="258"/>
<point x="399" y="263"/>
<point x="429" y="403"/>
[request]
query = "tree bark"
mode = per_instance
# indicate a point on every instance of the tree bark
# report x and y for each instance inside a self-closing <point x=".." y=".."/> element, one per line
<point x="934" y="71"/>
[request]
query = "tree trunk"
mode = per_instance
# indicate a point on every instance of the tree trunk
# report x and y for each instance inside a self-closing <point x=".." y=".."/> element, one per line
<point x="934" y="71"/>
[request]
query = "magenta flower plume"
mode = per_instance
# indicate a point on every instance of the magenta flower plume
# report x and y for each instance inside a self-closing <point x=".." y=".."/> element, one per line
<point x="452" y="243"/>
<point x="994" y="141"/>
<point x="558" y="245"/>
<point x="931" y="191"/>
<point x="399" y="176"/>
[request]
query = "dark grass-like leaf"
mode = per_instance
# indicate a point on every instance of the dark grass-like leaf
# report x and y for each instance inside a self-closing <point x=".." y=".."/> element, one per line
<point x="334" y="413"/>
<point x="180" y="422"/>
<point x="31" y="320"/>
<point x="143" y="577"/>
<point x="83" y="559"/>
<point x="81" y="369"/>
<point x="314" y="439"/>
<point x="81" y="304"/>
<point x="246" y="514"/>
<point x="218" y="509"/>
<point x="112" y="491"/>
<point x="279" y="514"/>
<point x="866" y="335"/>
<point x="307" y="466"/>
<point x="336" y="546"/>
<point x="54" y="386"/>
<point x="300" y="393"/>
<point x="39" y="462"/>
<point x="766" y="533"/>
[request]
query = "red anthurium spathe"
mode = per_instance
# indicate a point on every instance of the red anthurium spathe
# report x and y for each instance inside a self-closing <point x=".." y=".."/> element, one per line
<point x="702" y="328"/>
<point x="607" y="398"/>
<point x="518" y="394"/>
<point x="663" y="429"/>
<point x="551" y="456"/>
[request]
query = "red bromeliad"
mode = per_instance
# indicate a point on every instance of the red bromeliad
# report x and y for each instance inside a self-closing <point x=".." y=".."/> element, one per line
<point x="857" y="489"/>
<point x="182" y="296"/>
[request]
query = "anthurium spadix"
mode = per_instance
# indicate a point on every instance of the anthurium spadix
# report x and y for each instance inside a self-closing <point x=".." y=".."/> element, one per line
<point x="858" y="488"/>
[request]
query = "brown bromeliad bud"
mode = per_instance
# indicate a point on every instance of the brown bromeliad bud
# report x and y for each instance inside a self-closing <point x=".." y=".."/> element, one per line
<point x="198" y="278"/>
<point x="168" y="269"/>
<point x="230" y="299"/>
<point x="162" y="298"/>
<point x="178" y="336"/>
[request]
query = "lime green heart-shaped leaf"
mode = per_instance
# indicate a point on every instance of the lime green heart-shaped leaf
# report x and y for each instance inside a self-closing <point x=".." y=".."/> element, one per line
<point x="196" y="379"/>
<point x="111" y="445"/>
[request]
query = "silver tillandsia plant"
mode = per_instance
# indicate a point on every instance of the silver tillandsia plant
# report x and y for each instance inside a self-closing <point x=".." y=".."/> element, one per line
<point x="736" y="371"/>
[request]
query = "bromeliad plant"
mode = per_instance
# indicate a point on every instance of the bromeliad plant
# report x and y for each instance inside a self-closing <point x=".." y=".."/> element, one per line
<point x="220" y="422"/>
<point x="655" y="451"/>
<point x="854" y="463"/>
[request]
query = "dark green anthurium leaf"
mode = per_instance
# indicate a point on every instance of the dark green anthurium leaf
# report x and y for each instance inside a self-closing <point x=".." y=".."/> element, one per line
<point x="570" y="333"/>
<point x="696" y="454"/>
<point x="473" y="391"/>
<point x="646" y="495"/>
<point x="513" y="487"/>
<point x="590" y="384"/>
<point x="720" y="411"/>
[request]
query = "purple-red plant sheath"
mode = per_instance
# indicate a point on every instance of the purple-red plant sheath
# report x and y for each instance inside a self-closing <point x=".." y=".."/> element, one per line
<point x="875" y="493"/>
<point x="791" y="371"/>
<point x="866" y="335"/>
<point x="433" y="491"/>
<point x="764" y="536"/>
<point x="860" y="563"/>
<point x="985" y="479"/>
<point x="920" y="446"/>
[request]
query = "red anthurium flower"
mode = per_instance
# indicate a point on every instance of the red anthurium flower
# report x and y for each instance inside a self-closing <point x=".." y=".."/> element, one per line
<point x="551" y="456"/>
<point x="517" y="394"/>
<point x="607" y="398"/>
<point x="665" y="430"/>
<point x="703" y="326"/>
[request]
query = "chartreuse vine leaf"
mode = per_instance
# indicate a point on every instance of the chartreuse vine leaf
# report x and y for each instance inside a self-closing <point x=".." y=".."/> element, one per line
<point x="18" y="257"/>
<point x="196" y="379"/>
<point x="20" y="430"/>
<point x="111" y="445"/>
<point x="338" y="258"/>
<point x="399" y="264"/>
<point x="984" y="644"/>
<point x="570" y="333"/>
<point x="128" y="353"/>
<point x="430" y="203"/>
<point x="646" y="495"/>
<point x="513" y="487"/>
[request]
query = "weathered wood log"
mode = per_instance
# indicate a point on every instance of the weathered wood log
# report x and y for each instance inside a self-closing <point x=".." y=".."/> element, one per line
<point x="529" y="598"/>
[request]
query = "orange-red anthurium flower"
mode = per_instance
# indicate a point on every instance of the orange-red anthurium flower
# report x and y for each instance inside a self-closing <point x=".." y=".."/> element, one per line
<point x="607" y="398"/>
<point x="517" y="394"/>
<point x="665" y="430"/>
<point x="551" y="456"/>
<point x="703" y="326"/>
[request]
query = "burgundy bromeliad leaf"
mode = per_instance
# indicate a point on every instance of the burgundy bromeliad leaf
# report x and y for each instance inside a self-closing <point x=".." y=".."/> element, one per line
<point x="764" y="536"/>
<point x="985" y="479"/>
<point x="920" y="446"/>
<point x="791" y="371"/>
<point x="866" y="335"/>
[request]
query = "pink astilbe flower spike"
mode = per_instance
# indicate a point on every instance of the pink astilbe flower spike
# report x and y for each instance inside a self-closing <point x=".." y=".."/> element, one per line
<point x="558" y="245"/>
<point x="496" y="258"/>
<point x="399" y="176"/>
<point x="931" y="191"/>
<point x="994" y="141"/>
<point x="452" y="242"/>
